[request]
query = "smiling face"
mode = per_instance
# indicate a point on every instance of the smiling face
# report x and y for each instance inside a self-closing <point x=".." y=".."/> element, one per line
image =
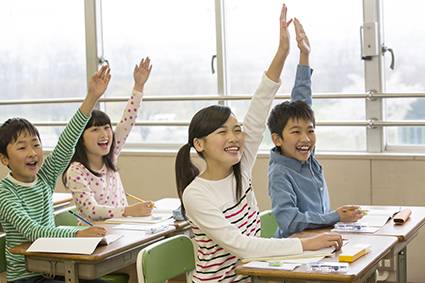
<point x="223" y="147"/>
<point x="297" y="140"/>
<point x="24" y="157"/>
<point x="97" y="141"/>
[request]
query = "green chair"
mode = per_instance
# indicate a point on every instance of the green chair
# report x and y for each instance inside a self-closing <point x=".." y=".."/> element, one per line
<point x="166" y="259"/>
<point x="2" y="253"/>
<point x="268" y="224"/>
<point x="64" y="218"/>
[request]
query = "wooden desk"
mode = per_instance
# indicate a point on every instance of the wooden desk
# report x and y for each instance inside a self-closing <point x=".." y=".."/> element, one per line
<point x="405" y="234"/>
<point x="61" y="199"/>
<point x="361" y="270"/>
<point x="104" y="260"/>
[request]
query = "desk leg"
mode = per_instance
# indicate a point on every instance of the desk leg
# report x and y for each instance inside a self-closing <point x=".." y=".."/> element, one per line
<point x="71" y="272"/>
<point x="402" y="266"/>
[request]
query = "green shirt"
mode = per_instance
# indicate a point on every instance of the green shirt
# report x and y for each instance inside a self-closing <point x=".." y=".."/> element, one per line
<point x="26" y="209"/>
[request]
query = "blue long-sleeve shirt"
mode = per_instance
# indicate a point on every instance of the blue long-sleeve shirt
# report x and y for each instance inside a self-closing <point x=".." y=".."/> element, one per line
<point x="298" y="190"/>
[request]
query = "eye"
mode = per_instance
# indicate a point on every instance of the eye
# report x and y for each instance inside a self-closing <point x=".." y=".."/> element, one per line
<point x="238" y="130"/>
<point x="21" y="148"/>
<point x="37" y="145"/>
<point x="311" y="131"/>
<point x="107" y="127"/>
<point x="295" y="132"/>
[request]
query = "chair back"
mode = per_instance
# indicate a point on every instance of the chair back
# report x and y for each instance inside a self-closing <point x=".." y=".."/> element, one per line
<point x="268" y="224"/>
<point x="2" y="253"/>
<point x="166" y="259"/>
<point x="64" y="218"/>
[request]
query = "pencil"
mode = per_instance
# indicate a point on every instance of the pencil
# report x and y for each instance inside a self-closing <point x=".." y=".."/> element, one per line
<point x="80" y="217"/>
<point x="138" y="199"/>
<point x="134" y="197"/>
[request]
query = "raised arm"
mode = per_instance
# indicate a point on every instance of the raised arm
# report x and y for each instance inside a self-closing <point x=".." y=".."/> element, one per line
<point x="141" y="74"/>
<point x="255" y="120"/>
<point x="302" y="86"/>
<point x="57" y="161"/>
<point x="275" y="69"/>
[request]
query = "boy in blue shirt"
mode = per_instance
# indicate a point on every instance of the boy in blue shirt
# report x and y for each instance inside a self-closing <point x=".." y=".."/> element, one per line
<point x="297" y="186"/>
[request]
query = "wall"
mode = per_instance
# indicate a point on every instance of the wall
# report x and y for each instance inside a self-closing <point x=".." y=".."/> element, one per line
<point x="352" y="179"/>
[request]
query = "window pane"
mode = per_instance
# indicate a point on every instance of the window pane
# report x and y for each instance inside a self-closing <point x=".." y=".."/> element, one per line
<point x="179" y="37"/>
<point x="401" y="22"/>
<point x="42" y="56"/>
<point x="252" y="38"/>
<point x="337" y="138"/>
<point x="404" y="25"/>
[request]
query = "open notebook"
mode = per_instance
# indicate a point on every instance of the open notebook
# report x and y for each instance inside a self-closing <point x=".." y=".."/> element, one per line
<point x="163" y="210"/>
<point x="371" y="222"/>
<point x="80" y="245"/>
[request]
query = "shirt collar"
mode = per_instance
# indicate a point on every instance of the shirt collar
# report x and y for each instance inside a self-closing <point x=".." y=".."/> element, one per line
<point x="22" y="184"/>
<point x="290" y="162"/>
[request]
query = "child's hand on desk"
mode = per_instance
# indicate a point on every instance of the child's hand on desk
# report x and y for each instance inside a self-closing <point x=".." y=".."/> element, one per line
<point x="139" y="209"/>
<point x="92" y="232"/>
<point x="324" y="240"/>
<point x="349" y="213"/>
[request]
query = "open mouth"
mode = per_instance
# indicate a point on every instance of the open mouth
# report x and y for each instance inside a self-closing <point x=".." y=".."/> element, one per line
<point x="232" y="149"/>
<point x="103" y="144"/>
<point x="32" y="164"/>
<point x="303" y="148"/>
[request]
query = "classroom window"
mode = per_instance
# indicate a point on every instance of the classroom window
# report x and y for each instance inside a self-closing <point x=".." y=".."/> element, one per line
<point x="42" y="56"/>
<point x="403" y="26"/>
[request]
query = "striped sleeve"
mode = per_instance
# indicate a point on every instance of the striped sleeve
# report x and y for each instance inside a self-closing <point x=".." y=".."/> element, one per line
<point x="57" y="161"/>
<point x="13" y="213"/>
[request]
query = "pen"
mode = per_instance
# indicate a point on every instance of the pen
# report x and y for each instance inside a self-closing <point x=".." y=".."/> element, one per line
<point x="137" y="198"/>
<point x="80" y="217"/>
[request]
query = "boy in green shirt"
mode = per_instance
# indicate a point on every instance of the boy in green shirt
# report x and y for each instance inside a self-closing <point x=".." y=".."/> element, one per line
<point x="26" y="210"/>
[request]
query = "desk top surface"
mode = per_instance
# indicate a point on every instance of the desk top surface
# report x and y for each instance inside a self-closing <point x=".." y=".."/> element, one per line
<point x="379" y="247"/>
<point x="61" y="198"/>
<point x="406" y="231"/>
<point x="131" y="239"/>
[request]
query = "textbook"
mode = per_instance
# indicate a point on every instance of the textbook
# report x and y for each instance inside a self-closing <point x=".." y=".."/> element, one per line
<point x="163" y="211"/>
<point x="319" y="254"/>
<point x="80" y="245"/>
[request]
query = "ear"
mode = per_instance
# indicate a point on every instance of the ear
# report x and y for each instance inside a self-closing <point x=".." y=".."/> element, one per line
<point x="4" y="160"/>
<point x="277" y="139"/>
<point x="198" y="144"/>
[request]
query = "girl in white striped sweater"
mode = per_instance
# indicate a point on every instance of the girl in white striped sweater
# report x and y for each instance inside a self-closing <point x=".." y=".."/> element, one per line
<point x="219" y="202"/>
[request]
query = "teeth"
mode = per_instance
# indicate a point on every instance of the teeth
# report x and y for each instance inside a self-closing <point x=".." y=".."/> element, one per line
<point x="231" y="148"/>
<point x="303" y="148"/>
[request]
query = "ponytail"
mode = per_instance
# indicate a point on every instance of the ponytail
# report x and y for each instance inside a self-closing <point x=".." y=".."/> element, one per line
<point x="186" y="171"/>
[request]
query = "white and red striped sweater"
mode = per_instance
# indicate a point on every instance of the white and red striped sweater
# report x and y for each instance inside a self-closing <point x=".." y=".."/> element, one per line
<point x="227" y="229"/>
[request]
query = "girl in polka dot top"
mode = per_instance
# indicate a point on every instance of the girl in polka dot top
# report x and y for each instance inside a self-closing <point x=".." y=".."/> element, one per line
<point x="92" y="176"/>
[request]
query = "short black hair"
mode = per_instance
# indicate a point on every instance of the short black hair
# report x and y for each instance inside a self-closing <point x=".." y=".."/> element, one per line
<point x="283" y="112"/>
<point x="11" y="129"/>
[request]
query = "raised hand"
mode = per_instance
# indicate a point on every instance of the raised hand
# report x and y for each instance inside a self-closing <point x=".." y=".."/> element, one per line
<point x="141" y="73"/>
<point x="301" y="37"/>
<point x="324" y="240"/>
<point x="275" y="69"/>
<point x="99" y="82"/>
<point x="92" y="232"/>
<point x="284" y="33"/>
<point x="97" y="86"/>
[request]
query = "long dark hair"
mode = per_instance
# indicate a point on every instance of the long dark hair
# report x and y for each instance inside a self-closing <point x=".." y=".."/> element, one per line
<point x="98" y="119"/>
<point x="203" y="123"/>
